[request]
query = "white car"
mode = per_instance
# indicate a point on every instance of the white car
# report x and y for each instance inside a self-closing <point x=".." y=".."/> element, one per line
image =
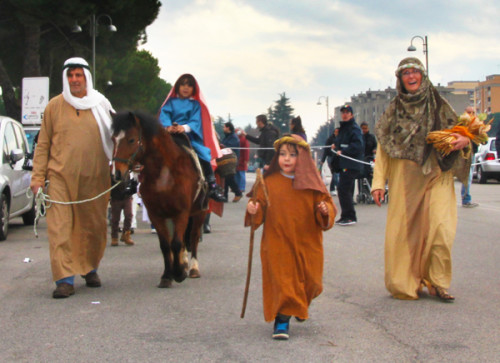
<point x="488" y="164"/>
<point x="16" y="198"/>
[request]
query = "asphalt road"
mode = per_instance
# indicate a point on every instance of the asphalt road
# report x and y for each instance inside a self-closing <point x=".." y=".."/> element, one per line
<point x="354" y="320"/>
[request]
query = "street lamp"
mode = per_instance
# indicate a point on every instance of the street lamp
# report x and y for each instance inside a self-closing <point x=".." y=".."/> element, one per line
<point x="327" y="112"/>
<point x="412" y="48"/>
<point x="94" y="22"/>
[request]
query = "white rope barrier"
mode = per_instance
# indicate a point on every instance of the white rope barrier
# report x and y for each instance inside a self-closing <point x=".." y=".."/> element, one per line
<point x="312" y="147"/>
<point x="43" y="201"/>
<point x="272" y="148"/>
<point x="341" y="155"/>
<point x="485" y="162"/>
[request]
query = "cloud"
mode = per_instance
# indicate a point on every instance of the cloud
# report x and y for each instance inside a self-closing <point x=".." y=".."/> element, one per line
<point x="245" y="53"/>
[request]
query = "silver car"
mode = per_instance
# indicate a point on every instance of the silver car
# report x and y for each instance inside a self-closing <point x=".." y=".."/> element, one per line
<point x="488" y="164"/>
<point x="16" y="198"/>
<point x="31" y="133"/>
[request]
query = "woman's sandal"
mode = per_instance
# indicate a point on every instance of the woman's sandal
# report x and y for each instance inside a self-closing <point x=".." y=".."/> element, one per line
<point x="443" y="294"/>
<point x="438" y="291"/>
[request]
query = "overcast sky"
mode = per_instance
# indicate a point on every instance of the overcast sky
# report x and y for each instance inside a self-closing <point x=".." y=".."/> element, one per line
<point x="244" y="53"/>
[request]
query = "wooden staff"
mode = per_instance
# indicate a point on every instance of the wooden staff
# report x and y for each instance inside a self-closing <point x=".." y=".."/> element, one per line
<point x="258" y="180"/>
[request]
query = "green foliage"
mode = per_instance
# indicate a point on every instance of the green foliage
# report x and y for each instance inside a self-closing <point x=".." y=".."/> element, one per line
<point x="495" y="124"/>
<point x="136" y="82"/>
<point x="248" y="128"/>
<point x="48" y="24"/>
<point x="2" y="107"/>
<point x="219" y="127"/>
<point x="323" y="133"/>
<point x="320" y="136"/>
<point x="281" y="114"/>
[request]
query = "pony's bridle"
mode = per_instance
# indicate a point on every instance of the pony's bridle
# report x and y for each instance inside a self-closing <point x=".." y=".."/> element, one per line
<point x="130" y="161"/>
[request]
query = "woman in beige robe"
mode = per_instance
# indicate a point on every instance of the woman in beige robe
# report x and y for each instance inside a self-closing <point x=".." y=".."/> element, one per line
<point x="421" y="217"/>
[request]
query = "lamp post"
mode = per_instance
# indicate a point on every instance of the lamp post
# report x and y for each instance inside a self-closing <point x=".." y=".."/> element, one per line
<point x="94" y="22"/>
<point x="327" y="112"/>
<point x="412" y="48"/>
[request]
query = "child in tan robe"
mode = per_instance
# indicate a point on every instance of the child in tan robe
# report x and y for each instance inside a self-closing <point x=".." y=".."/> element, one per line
<point x="296" y="211"/>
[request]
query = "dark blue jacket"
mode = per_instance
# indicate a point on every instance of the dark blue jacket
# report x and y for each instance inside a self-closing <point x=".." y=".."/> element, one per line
<point x="232" y="141"/>
<point x="350" y="142"/>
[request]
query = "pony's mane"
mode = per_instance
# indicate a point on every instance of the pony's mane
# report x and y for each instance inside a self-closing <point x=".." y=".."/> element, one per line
<point x="124" y="120"/>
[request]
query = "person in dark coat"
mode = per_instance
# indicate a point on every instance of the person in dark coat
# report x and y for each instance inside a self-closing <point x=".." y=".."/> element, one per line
<point x="370" y="149"/>
<point x="121" y="200"/>
<point x="242" y="166"/>
<point x="268" y="135"/>
<point x="369" y="140"/>
<point x="348" y="143"/>
<point x="231" y="141"/>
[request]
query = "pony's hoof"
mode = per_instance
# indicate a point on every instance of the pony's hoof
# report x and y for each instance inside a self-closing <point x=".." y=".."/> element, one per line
<point x="165" y="283"/>
<point x="194" y="274"/>
<point x="181" y="277"/>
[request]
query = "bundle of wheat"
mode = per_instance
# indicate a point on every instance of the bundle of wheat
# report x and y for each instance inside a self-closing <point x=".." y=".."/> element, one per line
<point x="472" y="127"/>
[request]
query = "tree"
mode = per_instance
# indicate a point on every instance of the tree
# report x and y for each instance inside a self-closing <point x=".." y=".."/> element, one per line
<point x="136" y="83"/>
<point x="2" y="107"/>
<point x="324" y="131"/>
<point x="270" y="116"/>
<point x="321" y="135"/>
<point x="281" y="114"/>
<point x="219" y="127"/>
<point x="10" y="103"/>
<point x="36" y="38"/>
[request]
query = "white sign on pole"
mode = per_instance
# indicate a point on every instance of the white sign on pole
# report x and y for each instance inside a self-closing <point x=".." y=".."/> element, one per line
<point x="35" y="98"/>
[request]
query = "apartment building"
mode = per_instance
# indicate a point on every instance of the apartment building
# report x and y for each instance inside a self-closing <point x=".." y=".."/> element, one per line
<point x="487" y="93"/>
<point x="370" y="105"/>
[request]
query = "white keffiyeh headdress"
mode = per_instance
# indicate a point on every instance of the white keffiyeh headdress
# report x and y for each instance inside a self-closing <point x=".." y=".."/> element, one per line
<point x="94" y="100"/>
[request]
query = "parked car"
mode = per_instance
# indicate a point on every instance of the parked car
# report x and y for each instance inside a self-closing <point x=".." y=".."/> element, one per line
<point x="31" y="132"/>
<point x="488" y="164"/>
<point x="16" y="198"/>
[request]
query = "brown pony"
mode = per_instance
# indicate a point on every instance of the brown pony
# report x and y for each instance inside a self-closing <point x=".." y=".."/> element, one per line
<point x="171" y="188"/>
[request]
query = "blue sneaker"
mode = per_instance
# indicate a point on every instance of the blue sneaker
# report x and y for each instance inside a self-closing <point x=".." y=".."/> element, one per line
<point x="281" y="329"/>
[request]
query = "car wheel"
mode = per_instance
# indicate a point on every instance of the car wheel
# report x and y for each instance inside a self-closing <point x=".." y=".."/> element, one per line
<point x="481" y="176"/>
<point x="4" y="218"/>
<point x="29" y="216"/>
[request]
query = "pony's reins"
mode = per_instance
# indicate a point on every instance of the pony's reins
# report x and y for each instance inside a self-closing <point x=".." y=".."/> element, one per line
<point x="130" y="161"/>
<point x="43" y="200"/>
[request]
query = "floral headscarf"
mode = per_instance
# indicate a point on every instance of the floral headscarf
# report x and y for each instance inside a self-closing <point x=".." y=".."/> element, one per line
<point x="404" y="126"/>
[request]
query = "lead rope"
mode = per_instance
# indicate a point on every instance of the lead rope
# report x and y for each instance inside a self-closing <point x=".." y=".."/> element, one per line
<point x="43" y="202"/>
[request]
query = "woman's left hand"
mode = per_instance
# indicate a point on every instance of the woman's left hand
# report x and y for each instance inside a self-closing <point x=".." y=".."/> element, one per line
<point x="460" y="142"/>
